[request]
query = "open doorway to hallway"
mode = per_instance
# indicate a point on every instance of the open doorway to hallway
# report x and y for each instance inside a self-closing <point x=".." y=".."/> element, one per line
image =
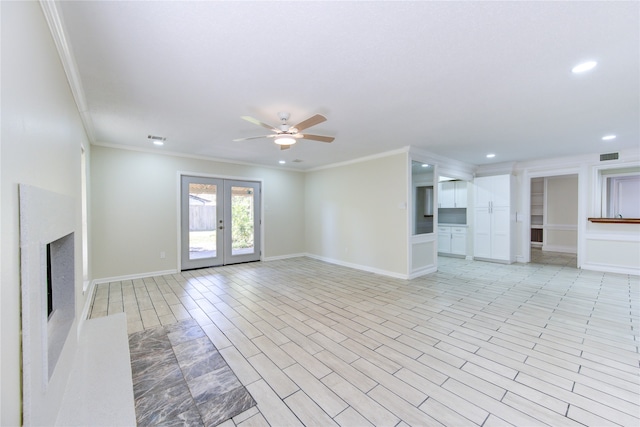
<point x="554" y="220"/>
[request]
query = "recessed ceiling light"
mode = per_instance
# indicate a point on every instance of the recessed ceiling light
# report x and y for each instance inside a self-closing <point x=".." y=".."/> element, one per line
<point x="282" y="162"/>
<point x="490" y="156"/>
<point x="585" y="66"/>
<point x="608" y="137"/>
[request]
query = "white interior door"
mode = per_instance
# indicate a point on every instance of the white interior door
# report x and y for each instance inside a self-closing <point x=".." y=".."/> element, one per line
<point x="220" y="222"/>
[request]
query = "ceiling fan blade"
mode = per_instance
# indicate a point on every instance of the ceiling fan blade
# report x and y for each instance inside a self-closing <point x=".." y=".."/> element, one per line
<point x="311" y="121"/>
<point x="318" y="138"/>
<point x="252" y="137"/>
<point x="284" y="147"/>
<point x="259" y="123"/>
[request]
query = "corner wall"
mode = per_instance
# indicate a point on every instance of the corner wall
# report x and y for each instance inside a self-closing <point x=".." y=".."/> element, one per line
<point x="356" y="214"/>
<point x="42" y="134"/>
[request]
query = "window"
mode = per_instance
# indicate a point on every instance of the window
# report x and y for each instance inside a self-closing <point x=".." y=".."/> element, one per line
<point x="620" y="192"/>
<point x="623" y="199"/>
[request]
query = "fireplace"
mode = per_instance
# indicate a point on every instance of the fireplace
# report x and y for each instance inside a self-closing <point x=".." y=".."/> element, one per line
<point x="48" y="282"/>
<point x="60" y="306"/>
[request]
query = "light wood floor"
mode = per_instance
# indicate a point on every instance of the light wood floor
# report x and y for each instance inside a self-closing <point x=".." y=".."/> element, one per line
<point x="476" y="343"/>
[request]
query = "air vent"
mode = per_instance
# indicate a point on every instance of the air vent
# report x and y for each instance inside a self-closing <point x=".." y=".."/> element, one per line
<point x="157" y="140"/>
<point x="296" y="161"/>
<point x="608" y="156"/>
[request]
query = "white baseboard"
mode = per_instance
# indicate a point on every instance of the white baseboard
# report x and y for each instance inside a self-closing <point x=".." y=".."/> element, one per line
<point x="497" y="261"/>
<point x="608" y="268"/>
<point x="87" y="305"/>
<point x="133" y="276"/>
<point x="279" y="257"/>
<point x="359" y="267"/>
<point x="422" y="272"/>
<point x="564" y="249"/>
<point x="366" y="268"/>
<point x="450" y="255"/>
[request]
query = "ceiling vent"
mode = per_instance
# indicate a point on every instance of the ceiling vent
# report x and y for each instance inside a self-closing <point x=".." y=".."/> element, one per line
<point x="608" y="156"/>
<point x="296" y="161"/>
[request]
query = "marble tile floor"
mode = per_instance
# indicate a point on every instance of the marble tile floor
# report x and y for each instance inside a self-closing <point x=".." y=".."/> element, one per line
<point x="538" y="256"/>
<point x="180" y="378"/>
<point x="476" y="343"/>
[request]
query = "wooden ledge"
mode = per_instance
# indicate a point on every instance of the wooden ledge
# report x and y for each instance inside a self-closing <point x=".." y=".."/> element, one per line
<point x="615" y="220"/>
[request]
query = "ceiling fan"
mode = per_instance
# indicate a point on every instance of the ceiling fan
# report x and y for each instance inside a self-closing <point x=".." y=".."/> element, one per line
<point x="286" y="135"/>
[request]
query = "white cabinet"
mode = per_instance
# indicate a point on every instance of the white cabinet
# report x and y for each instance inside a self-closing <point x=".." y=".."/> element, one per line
<point x="493" y="190"/>
<point x="452" y="194"/>
<point x="460" y="194"/>
<point x="494" y="227"/>
<point x="459" y="240"/>
<point x="444" y="240"/>
<point x="452" y="240"/>
<point x="446" y="194"/>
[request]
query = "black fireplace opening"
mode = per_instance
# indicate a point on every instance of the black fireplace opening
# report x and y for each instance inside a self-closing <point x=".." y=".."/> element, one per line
<point x="49" y="284"/>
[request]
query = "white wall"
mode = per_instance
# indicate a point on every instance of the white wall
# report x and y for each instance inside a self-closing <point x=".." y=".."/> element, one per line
<point x="561" y="217"/>
<point x="134" y="199"/>
<point x="41" y="138"/>
<point x="356" y="214"/>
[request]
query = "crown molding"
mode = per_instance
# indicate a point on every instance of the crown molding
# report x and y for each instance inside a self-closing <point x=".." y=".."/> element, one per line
<point x="54" y="19"/>
<point x="360" y="159"/>
<point x="161" y="152"/>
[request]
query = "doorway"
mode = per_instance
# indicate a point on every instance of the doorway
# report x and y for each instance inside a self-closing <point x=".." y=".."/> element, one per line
<point x="219" y="221"/>
<point x="554" y="218"/>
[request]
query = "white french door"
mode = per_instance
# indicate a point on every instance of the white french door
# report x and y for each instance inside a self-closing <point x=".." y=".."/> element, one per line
<point x="220" y="221"/>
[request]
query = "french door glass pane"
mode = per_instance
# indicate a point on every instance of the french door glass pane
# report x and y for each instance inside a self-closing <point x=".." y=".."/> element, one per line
<point x="242" y="223"/>
<point x="202" y="220"/>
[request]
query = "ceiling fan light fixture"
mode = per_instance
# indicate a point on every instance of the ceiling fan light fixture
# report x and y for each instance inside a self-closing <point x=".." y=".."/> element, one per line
<point x="285" y="140"/>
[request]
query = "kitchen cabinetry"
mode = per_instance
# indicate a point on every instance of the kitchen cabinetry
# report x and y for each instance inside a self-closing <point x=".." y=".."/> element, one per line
<point x="452" y="240"/>
<point x="494" y="227"/>
<point x="452" y="194"/>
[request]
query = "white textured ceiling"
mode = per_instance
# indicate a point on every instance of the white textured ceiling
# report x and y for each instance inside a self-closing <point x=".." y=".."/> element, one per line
<point x="459" y="79"/>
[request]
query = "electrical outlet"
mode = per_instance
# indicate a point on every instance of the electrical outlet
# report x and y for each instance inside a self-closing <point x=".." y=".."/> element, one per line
<point x="162" y="255"/>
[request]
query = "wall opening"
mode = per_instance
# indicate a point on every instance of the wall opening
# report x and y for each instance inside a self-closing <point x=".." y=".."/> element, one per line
<point x="60" y="308"/>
